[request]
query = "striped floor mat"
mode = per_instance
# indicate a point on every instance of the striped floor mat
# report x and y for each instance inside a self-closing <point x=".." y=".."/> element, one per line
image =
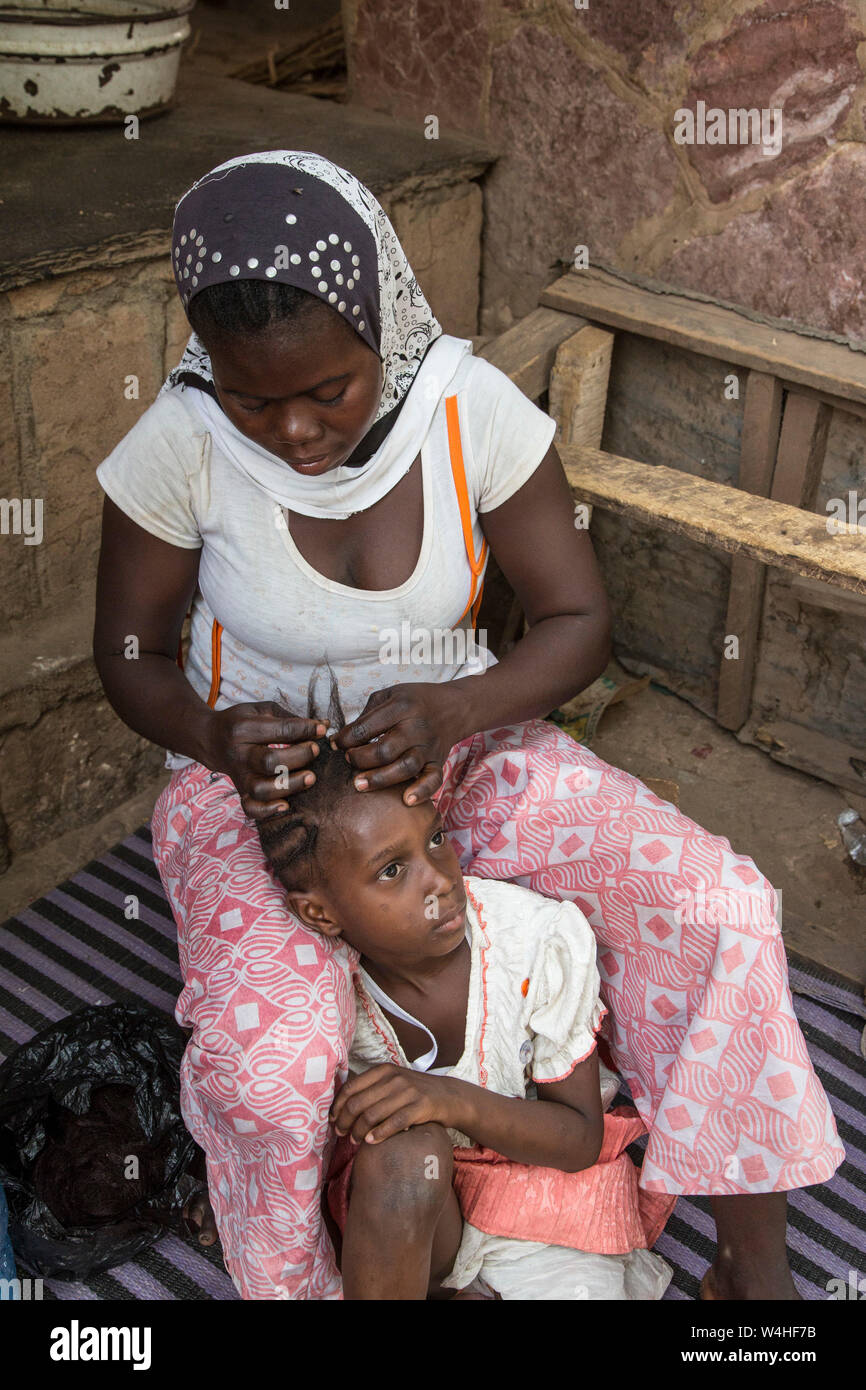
<point x="75" y="946"/>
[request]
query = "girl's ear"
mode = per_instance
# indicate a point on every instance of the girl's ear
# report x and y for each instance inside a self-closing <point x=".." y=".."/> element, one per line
<point x="313" y="913"/>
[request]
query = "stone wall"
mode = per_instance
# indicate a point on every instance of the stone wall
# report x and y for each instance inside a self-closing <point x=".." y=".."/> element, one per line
<point x="82" y="355"/>
<point x="581" y="104"/>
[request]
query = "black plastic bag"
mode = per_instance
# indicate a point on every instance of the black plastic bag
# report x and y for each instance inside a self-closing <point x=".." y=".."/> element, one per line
<point x="94" y="1154"/>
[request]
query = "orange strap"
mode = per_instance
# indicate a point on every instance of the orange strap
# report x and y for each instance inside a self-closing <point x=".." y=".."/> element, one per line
<point x="215" y="660"/>
<point x="458" y="470"/>
<point x="476" y="563"/>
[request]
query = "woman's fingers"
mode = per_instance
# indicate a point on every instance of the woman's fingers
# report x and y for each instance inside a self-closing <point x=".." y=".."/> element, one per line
<point x="266" y="725"/>
<point x="277" y="760"/>
<point x="374" y="721"/>
<point x="424" y="786"/>
<point x="406" y="768"/>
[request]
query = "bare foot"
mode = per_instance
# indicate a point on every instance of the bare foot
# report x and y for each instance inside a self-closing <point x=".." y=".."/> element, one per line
<point x="724" y="1283"/>
<point x="199" y="1217"/>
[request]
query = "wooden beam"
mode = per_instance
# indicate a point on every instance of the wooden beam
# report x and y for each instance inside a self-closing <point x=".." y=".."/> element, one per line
<point x="578" y="386"/>
<point x="841" y="764"/>
<point x="819" y="595"/>
<point x="762" y="413"/>
<point x="802" y="446"/>
<point x="709" y="329"/>
<point x="719" y="516"/>
<point x="527" y="351"/>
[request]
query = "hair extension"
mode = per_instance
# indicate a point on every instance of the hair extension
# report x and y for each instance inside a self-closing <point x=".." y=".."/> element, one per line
<point x="248" y="306"/>
<point x="290" y="841"/>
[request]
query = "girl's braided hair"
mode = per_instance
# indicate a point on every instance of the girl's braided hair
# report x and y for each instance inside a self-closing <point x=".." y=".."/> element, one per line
<point x="290" y="840"/>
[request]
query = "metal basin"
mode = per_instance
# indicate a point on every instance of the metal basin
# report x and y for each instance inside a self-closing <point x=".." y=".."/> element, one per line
<point x="63" y="62"/>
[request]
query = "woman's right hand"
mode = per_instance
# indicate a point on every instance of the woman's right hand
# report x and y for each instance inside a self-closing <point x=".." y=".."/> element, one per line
<point x="264" y="750"/>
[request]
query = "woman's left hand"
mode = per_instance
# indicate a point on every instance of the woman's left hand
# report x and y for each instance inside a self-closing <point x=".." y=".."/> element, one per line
<point x="414" y="728"/>
<point x="388" y="1099"/>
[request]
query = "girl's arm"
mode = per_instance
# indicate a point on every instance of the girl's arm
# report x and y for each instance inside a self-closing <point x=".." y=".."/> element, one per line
<point x="563" y="1129"/>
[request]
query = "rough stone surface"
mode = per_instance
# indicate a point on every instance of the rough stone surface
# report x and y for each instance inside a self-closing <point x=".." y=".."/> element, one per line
<point x="104" y="339"/>
<point x="565" y="131"/>
<point x="66" y="758"/>
<point x="794" y="55"/>
<point x="414" y="58"/>
<point x="17" y="560"/>
<point x="653" y="34"/>
<point x="799" y="257"/>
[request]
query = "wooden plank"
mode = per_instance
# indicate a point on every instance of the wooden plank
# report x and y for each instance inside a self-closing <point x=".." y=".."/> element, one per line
<point x="578" y="386"/>
<point x="527" y="351"/>
<point x="716" y="515"/>
<point x="842" y="764"/>
<point x="802" y="446"/>
<point x="762" y="413"/>
<point x="819" y="595"/>
<point x="711" y="330"/>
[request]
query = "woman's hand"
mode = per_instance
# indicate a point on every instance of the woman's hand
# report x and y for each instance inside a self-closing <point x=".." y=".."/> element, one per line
<point x="264" y="751"/>
<point x="404" y="734"/>
<point x="388" y="1099"/>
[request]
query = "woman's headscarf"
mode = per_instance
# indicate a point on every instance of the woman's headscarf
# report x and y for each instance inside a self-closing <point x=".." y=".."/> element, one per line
<point x="293" y="217"/>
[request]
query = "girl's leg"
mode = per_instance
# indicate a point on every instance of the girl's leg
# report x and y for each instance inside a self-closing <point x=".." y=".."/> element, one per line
<point x="271" y="1012"/>
<point x="403" y="1227"/>
<point x="692" y="969"/>
<point x="751" y="1257"/>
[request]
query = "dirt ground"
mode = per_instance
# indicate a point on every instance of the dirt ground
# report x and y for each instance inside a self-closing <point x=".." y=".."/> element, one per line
<point x="785" y="820"/>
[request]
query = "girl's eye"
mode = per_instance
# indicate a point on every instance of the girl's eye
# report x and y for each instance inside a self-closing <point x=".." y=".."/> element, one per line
<point x="330" y="400"/>
<point x="438" y="838"/>
<point x="386" y="872"/>
<point x="251" y="409"/>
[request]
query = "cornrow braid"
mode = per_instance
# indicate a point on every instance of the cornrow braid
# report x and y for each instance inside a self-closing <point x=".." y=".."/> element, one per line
<point x="290" y="840"/>
<point x="247" y="306"/>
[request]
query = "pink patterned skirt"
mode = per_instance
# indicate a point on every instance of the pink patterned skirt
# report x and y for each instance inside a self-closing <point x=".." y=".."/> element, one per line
<point x="693" y="973"/>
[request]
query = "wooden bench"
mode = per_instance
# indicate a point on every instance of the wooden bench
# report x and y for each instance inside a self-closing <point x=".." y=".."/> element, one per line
<point x="792" y="383"/>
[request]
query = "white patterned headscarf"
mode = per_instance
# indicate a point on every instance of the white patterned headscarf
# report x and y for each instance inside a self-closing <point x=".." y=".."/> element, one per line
<point x="293" y="217"/>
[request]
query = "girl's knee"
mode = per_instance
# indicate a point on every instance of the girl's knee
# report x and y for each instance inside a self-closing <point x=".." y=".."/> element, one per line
<point x="406" y="1175"/>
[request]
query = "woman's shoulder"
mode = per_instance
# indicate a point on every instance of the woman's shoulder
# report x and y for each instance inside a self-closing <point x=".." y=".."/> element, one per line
<point x="484" y="384"/>
<point x="168" y="431"/>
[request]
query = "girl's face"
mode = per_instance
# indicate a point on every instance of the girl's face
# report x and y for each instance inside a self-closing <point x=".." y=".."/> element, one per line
<point x="306" y="392"/>
<point x="395" y="891"/>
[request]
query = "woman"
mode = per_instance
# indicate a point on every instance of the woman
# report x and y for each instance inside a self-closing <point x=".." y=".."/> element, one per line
<point x="326" y="467"/>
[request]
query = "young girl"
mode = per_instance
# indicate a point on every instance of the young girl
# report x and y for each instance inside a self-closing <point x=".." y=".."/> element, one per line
<point x="478" y="1154"/>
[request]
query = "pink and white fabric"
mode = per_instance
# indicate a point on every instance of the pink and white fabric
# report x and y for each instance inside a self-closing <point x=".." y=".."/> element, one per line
<point x="691" y="961"/>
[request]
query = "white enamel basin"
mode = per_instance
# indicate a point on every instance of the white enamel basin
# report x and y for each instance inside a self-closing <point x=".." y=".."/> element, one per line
<point x="98" y="60"/>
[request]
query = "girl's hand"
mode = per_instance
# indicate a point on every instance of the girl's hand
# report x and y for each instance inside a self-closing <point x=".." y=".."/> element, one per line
<point x="414" y="728"/>
<point x="388" y="1099"/>
<point x="264" y="751"/>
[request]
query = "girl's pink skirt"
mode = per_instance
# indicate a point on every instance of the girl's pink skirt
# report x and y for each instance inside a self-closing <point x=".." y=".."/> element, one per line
<point x="600" y="1210"/>
<point x="693" y="972"/>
